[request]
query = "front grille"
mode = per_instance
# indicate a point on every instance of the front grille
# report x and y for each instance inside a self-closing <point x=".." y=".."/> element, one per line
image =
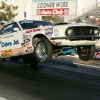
<point x="82" y="31"/>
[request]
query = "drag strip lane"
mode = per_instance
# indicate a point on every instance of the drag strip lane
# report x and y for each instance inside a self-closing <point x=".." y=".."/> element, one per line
<point x="65" y="77"/>
<point x="69" y="60"/>
<point x="67" y="66"/>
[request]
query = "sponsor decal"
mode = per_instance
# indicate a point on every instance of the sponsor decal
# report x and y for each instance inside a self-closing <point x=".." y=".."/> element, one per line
<point x="25" y="36"/>
<point x="23" y="44"/>
<point x="6" y="44"/>
<point x="29" y="47"/>
<point x="11" y="52"/>
<point x="8" y="36"/>
<point x="7" y="53"/>
<point x="26" y="21"/>
<point x="56" y="43"/>
<point x="56" y="11"/>
<point x="26" y="40"/>
<point x="33" y="30"/>
<point x="16" y="42"/>
<point x="49" y="32"/>
<point x="17" y="51"/>
<point x="58" y="4"/>
<point x="20" y="51"/>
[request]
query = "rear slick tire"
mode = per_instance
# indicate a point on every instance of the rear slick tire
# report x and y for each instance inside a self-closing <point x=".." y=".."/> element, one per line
<point x="43" y="49"/>
<point x="0" y="61"/>
<point x="31" y="61"/>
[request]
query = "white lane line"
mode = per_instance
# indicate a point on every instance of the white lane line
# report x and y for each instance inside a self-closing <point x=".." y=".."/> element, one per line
<point x="91" y="66"/>
<point x="2" y="98"/>
<point x="87" y="65"/>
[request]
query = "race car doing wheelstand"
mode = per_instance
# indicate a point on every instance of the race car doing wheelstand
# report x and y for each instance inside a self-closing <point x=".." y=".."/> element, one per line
<point x="37" y="41"/>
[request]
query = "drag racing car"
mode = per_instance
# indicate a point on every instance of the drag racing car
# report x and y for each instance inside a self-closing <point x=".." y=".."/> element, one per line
<point x="37" y="41"/>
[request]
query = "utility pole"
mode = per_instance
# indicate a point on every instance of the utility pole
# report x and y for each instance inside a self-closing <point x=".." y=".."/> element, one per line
<point x="96" y="3"/>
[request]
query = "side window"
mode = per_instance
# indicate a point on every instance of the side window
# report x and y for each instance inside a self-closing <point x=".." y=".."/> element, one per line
<point x="10" y="28"/>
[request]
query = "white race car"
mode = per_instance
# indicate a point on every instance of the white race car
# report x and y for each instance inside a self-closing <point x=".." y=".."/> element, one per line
<point x="37" y="41"/>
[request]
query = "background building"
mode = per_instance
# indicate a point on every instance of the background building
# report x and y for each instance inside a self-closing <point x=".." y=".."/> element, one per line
<point x="27" y="9"/>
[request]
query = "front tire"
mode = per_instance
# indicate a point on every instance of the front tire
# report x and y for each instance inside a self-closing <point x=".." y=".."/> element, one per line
<point x="86" y="53"/>
<point x="43" y="49"/>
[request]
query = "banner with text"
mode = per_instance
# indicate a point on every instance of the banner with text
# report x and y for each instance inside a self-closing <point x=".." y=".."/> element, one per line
<point x="52" y="8"/>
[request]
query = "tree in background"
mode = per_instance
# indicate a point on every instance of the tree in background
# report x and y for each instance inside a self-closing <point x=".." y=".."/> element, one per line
<point x="7" y="11"/>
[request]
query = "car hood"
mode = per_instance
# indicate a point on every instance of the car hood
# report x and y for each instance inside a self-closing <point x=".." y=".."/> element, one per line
<point x="77" y="25"/>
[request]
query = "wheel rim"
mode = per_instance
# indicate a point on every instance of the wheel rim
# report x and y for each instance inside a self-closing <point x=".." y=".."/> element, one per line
<point x="83" y="50"/>
<point x="41" y="50"/>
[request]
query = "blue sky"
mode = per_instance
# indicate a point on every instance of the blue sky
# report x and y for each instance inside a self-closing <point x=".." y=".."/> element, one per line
<point x="48" y="0"/>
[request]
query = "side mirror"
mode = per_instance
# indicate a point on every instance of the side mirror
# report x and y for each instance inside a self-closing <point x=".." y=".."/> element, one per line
<point x="16" y="29"/>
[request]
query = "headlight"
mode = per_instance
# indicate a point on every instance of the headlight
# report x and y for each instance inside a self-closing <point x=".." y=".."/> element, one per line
<point x="56" y="32"/>
<point x="69" y="31"/>
<point x="96" y="31"/>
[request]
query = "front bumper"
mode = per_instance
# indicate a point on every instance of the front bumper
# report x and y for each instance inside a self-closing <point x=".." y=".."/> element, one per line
<point x="75" y="41"/>
<point x="76" y="37"/>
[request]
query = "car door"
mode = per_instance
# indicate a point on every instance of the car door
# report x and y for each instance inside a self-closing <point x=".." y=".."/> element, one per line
<point x="11" y="39"/>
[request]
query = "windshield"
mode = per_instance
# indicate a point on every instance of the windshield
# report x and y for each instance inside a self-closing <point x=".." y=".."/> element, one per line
<point x="29" y="24"/>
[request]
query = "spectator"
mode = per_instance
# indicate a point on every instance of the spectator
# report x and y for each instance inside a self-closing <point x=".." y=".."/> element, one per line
<point x="87" y="19"/>
<point x="95" y="21"/>
<point x="99" y="15"/>
<point x="83" y="21"/>
<point x="78" y="21"/>
<point x="73" y="22"/>
<point x="1" y="24"/>
<point x="87" y="16"/>
<point x="91" y="17"/>
<point x="98" y="23"/>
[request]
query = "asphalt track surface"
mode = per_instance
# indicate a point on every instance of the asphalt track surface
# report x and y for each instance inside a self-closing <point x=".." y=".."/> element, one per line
<point x="64" y="78"/>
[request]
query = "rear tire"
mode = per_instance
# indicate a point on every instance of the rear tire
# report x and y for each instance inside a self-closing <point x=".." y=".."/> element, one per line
<point x="0" y="61"/>
<point x="31" y="60"/>
<point x="43" y="49"/>
<point x="86" y="53"/>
